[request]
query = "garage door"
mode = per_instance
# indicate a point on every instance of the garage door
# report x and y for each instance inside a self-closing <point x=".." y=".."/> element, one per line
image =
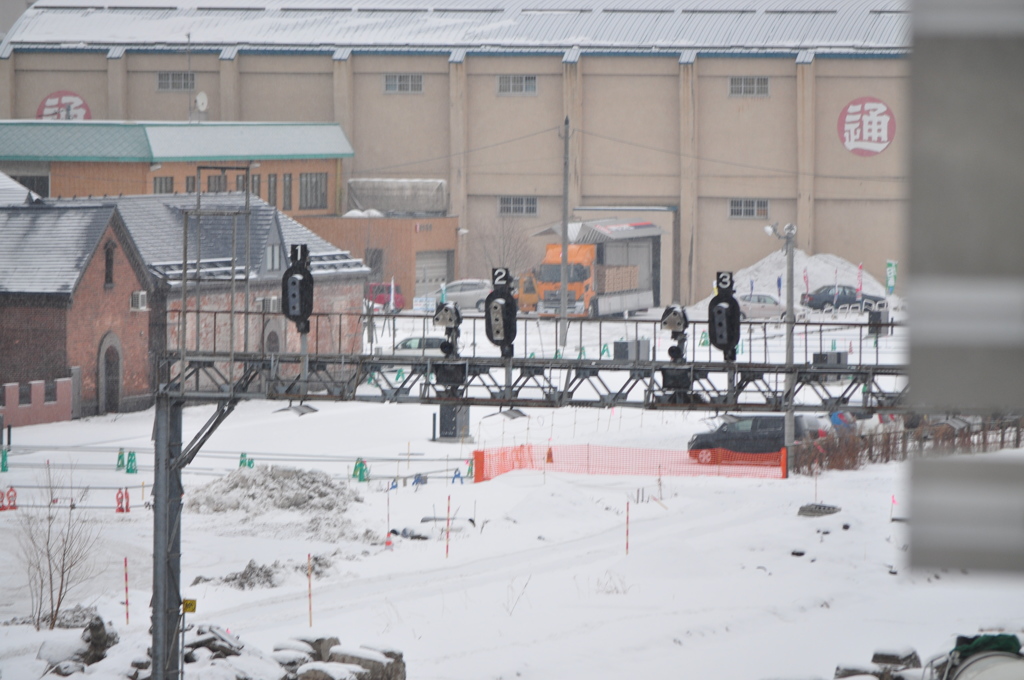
<point x="433" y="267"/>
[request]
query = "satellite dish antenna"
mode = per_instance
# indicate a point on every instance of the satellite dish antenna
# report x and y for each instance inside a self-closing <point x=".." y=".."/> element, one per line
<point x="202" y="102"/>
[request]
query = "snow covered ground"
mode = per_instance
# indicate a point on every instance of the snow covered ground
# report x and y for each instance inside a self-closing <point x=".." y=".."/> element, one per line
<point x="542" y="585"/>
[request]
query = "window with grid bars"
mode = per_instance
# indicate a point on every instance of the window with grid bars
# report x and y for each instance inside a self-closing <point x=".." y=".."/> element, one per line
<point x="175" y="81"/>
<point x="514" y="84"/>
<point x="748" y="86"/>
<point x="163" y="185"/>
<point x="517" y="205"/>
<point x="217" y="183"/>
<point x="286" y="191"/>
<point x="404" y="83"/>
<point x="272" y="189"/>
<point x="748" y="207"/>
<point x="255" y="179"/>
<point x="312" y="190"/>
<point x="190" y="184"/>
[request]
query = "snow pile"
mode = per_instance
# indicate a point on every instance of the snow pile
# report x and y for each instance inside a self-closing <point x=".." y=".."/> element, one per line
<point x="262" y="489"/>
<point x="822" y="269"/>
<point x="270" y="575"/>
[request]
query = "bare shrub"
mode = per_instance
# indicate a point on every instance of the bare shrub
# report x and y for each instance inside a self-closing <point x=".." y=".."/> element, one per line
<point x="55" y="544"/>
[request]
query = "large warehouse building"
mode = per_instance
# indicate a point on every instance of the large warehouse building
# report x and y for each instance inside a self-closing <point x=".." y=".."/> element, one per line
<point x="718" y="116"/>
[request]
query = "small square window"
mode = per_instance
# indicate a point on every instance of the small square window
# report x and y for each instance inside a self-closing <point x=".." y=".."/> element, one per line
<point x="748" y="86"/>
<point x="515" y="84"/>
<point x="403" y="83"/>
<point x="748" y="207"/>
<point x="517" y="205"/>
<point x="175" y="81"/>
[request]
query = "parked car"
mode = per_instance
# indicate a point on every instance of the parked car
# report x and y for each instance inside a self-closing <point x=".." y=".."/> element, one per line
<point x="834" y="296"/>
<point x="747" y="439"/>
<point x="466" y="293"/>
<point x="427" y="346"/>
<point x="379" y="295"/>
<point x="762" y="306"/>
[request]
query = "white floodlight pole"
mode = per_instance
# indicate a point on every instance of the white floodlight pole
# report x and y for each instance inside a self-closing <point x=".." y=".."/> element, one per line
<point x="788" y="235"/>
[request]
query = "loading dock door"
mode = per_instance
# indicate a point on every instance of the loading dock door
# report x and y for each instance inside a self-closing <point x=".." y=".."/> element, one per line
<point x="433" y="267"/>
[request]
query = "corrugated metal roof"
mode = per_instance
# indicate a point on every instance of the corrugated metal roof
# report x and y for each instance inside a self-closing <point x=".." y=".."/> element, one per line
<point x="115" y="141"/>
<point x="839" y="26"/>
<point x="46" y="248"/>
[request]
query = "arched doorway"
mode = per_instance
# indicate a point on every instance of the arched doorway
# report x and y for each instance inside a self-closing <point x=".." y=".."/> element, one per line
<point x="273" y="343"/>
<point x="112" y="376"/>
<point x="109" y="370"/>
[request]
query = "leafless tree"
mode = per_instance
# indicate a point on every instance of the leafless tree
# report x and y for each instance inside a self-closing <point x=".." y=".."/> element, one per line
<point x="506" y="245"/>
<point x="55" y="545"/>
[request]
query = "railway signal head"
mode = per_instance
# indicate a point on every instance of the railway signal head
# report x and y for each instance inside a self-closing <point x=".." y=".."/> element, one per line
<point x="724" y="324"/>
<point x="297" y="290"/>
<point x="448" y="316"/>
<point x="500" y="320"/>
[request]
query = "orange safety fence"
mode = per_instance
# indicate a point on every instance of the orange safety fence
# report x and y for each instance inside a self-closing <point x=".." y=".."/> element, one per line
<point x="590" y="459"/>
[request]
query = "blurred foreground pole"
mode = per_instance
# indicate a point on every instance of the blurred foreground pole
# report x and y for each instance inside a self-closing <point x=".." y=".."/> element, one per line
<point x="167" y="493"/>
<point x="966" y="283"/>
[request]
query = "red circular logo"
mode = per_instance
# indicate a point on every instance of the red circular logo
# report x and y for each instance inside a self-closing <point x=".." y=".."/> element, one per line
<point x="63" y="105"/>
<point x="866" y="126"/>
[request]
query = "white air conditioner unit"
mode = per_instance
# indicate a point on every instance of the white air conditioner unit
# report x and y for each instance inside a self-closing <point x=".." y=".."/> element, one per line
<point x="139" y="301"/>
<point x="271" y="305"/>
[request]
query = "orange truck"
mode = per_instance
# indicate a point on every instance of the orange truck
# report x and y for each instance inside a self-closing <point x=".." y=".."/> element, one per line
<point x="613" y="268"/>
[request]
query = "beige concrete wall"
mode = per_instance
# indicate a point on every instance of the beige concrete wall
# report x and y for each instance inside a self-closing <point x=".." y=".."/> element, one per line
<point x="400" y="134"/>
<point x="514" y="139"/>
<point x="38" y="74"/>
<point x="630" y="134"/>
<point x="295" y="88"/>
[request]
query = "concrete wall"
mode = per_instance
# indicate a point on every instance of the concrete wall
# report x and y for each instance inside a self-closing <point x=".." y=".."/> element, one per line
<point x="38" y="410"/>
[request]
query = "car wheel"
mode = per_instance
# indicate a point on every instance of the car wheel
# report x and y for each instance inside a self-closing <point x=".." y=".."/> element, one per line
<point x="706" y="457"/>
<point x="479" y="305"/>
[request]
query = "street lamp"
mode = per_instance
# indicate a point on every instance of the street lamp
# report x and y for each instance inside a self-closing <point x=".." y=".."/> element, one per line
<point x="787" y="235"/>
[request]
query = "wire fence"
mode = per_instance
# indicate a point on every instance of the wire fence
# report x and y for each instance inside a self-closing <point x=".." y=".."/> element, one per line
<point x="591" y="459"/>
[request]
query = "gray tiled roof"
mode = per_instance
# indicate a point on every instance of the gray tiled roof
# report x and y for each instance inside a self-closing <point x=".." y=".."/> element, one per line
<point x="45" y="248"/>
<point x="155" y="222"/>
<point x="230" y="26"/>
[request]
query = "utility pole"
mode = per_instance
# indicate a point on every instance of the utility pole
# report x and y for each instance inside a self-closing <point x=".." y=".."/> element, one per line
<point x="563" y="305"/>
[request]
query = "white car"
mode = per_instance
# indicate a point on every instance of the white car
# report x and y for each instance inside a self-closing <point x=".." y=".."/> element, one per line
<point x="765" y="306"/>
<point x="466" y="293"/>
<point x="416" y="347"/>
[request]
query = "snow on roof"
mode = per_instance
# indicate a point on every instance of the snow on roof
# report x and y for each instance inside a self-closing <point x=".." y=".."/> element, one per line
<point x="13" y="193"/>
<point x="573" y="26"/>
<point x="153" y="142"/>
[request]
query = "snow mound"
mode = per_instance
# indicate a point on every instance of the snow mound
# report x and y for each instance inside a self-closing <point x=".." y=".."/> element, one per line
<point x="266" y="488"/>
<point x="822" y="269"/>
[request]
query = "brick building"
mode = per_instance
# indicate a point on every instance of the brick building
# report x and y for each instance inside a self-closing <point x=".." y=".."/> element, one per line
<point x="292" y="166"/>
<point x="68" y="278"/>
<point x="96" y="284"/>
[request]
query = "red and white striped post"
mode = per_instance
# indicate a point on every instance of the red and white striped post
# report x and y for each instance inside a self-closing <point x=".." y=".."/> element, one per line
<point x="126" y="591"/>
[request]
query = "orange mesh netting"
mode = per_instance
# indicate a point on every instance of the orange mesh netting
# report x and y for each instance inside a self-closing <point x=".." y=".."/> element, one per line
<point x="589" y="459"/>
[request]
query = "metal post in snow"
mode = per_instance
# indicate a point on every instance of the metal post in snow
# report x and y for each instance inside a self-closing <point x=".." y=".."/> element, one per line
<point x="309" y="580"/>
<point x="448" y="528"/>
<point x="627" y="527"/>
